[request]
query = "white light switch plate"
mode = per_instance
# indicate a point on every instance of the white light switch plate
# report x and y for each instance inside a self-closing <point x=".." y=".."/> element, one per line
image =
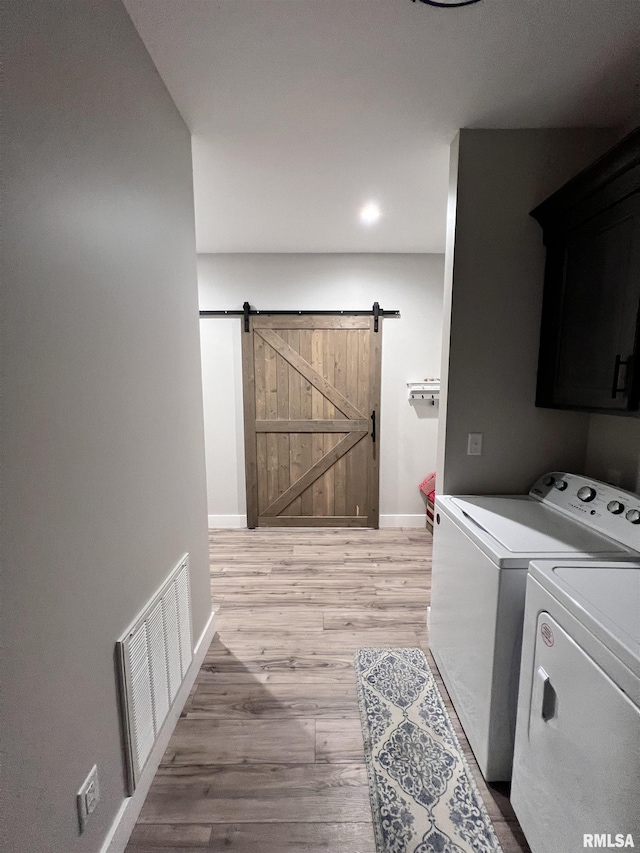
<point x="474" y="444"/>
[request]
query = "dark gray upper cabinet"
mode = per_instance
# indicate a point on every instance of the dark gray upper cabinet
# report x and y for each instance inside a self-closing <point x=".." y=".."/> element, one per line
<point x="590" y="336"/>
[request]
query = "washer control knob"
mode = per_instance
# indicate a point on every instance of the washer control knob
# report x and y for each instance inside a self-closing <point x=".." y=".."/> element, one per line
<point x="615" y="507"/>
<point x="548" y="480"/>
<point x="633" y="516"/>
<point x="586" y="493"/>
<point x="561" y="485"/>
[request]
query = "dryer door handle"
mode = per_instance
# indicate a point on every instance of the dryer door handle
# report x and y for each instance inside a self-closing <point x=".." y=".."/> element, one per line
<point x="548" y="695"/>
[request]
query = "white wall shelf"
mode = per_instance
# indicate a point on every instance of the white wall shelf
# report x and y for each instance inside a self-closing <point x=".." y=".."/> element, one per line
<point x="428" y="390"/>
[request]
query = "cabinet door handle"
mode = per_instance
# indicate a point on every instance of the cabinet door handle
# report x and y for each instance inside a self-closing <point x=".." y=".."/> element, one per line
<point x="373" y="426"/>
<point x="616" y="377"/>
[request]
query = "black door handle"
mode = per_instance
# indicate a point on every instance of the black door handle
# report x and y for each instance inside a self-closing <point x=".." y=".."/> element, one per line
<point x="373" y="426"/>
<point x="616" y="376"/>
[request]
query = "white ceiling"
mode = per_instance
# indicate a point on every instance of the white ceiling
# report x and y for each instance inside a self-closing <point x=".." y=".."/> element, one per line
<point x="303" y="110"/>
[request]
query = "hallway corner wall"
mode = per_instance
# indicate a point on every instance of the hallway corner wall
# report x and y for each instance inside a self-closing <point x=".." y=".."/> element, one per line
<point x="493" y="296"/>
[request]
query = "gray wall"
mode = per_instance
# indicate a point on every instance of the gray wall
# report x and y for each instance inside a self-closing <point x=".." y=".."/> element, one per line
<point x="411" y="347"/>
<point x="613" y="451"/>
<point x="102" y="436"/>
<point x="494" y="281"/>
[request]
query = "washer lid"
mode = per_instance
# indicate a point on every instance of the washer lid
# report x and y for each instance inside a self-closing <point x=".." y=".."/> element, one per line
<point x="604" y="596"/>
<point x="522" y="526"/>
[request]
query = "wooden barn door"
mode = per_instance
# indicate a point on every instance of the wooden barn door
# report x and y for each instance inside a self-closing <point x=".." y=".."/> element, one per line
<point x="311" y="387"/>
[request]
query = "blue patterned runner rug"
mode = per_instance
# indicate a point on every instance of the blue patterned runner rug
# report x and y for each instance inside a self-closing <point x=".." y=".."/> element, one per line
<point x="423" y="797"/>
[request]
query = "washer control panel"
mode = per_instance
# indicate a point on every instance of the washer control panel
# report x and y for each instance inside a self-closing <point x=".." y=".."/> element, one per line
<point x="600" y="506"/>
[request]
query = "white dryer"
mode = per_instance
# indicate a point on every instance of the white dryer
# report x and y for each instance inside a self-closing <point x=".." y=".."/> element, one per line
<point x="576" y="769"/>
<point x="481" y="552"/>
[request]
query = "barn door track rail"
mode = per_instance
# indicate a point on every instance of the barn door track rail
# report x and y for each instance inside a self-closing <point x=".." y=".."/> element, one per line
<point x="247" y="311"/>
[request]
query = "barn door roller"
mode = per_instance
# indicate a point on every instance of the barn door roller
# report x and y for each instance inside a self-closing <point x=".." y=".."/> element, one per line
<point x="247" y="311"/>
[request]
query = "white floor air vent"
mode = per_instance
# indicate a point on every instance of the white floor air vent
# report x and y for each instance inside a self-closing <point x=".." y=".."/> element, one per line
<point x="154" y="656"/>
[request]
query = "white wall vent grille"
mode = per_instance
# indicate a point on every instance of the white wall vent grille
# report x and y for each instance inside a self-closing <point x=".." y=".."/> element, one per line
<point x="153" y="657"/>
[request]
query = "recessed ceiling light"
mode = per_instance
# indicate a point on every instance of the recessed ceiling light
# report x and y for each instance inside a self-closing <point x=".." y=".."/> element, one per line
<point x="370" y="213"/>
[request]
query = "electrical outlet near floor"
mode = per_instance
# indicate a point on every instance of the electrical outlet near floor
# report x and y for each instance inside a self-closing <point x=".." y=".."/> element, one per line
<point x="88" y="797"/>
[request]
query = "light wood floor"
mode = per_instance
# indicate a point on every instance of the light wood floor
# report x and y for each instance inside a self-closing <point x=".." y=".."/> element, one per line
<point x="267" y="756"/>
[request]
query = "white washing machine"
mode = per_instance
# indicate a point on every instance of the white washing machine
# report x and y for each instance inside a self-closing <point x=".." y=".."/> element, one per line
<point x="481" y="551"/>
<point x="576" y="769"/>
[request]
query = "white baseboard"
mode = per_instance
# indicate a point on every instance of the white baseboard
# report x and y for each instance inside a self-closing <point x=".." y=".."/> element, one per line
<point x="417" y="520"/>
<point x="228" y="521"/>
<point x="240" y="521"/>
<point x="125" y="820"/>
